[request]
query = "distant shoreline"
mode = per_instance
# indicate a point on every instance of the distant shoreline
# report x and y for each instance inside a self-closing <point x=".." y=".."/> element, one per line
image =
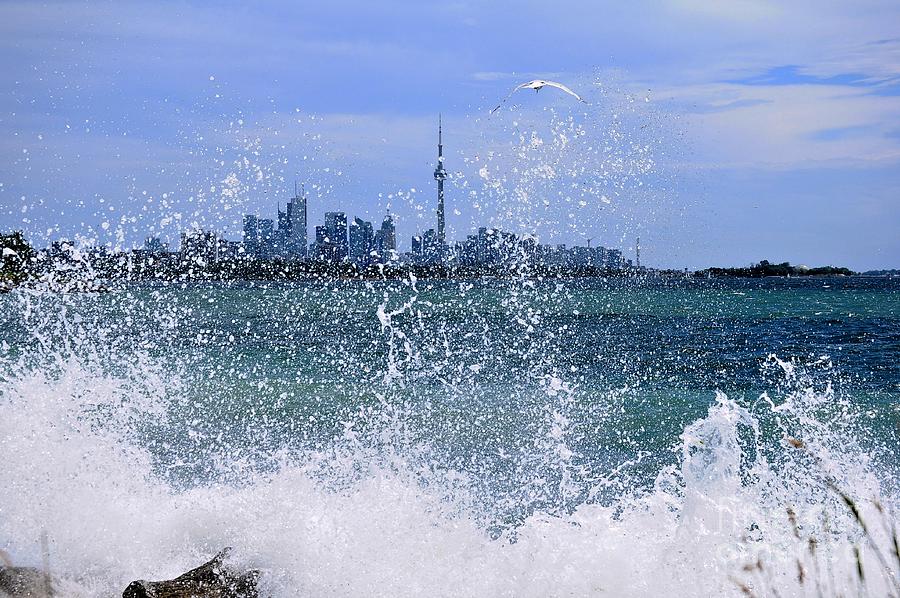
<point x="95" y="283"/>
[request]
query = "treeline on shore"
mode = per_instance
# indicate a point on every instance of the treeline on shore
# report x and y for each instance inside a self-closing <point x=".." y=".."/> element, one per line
<point x="16" y="255"/>
<point x="764" y="269"/>
<point x="20" y="262"/>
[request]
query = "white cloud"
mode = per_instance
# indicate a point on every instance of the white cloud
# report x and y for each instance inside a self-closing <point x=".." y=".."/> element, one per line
<point x="736" y="10"/>
<point x="492" y="76"/>
<point x="777" y="126"/>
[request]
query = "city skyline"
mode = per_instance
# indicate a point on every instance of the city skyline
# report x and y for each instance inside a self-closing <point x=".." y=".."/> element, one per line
<point x="336" y="241"/>
<point x="359" y="243"/>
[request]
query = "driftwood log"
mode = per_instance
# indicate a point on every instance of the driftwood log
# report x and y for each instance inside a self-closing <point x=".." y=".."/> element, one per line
<point x="24" y="582"/>
<point x="214" y="579"/>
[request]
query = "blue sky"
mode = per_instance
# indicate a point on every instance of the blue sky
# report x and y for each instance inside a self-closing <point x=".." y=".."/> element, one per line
<point x="720" y="133"/>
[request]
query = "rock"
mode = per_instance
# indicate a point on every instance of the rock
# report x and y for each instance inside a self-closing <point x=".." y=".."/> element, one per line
<point x="210" y="580"/>
<point x="24" y="582"/>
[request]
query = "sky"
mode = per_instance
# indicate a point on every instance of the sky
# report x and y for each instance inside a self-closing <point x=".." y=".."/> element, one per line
<point x="720" y="133"/>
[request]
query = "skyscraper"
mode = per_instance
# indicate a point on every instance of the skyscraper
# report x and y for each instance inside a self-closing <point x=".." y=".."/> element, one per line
<point x="198" y="244"/>
<point x="430" y="245"/>
<point x="439" y="175"/>
<point x="266" y="237"/>
<point x="251" y="235"/>
<point x="321" y="249"/>
<point x="361" y="240"/>
<point x="297" y="218"/>
<point x="284" y="220"/>
<point x="321" y="235"/>
<point x="336" y="229"/>
<point x="387" y="236"/>
<point x="280" y="244"/>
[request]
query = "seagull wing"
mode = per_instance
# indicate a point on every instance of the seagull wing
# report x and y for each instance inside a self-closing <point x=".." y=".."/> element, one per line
<point x="565" y="89"/>
<point x="515" y="89"/>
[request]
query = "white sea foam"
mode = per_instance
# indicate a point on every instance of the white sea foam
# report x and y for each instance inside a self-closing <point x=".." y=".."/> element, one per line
<point x="366" y="519"/>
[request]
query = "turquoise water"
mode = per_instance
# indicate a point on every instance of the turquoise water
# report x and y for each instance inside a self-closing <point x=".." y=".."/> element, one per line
<point x="499" y="408"/>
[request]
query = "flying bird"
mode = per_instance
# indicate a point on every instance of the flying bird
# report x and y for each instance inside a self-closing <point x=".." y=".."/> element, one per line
<point x="537" y="85"/>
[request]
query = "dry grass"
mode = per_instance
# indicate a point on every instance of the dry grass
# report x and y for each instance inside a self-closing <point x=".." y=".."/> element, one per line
<point x="887" y="558"/>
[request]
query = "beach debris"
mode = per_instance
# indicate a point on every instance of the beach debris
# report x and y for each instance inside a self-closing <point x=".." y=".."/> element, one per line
<point x="214" y="579"/>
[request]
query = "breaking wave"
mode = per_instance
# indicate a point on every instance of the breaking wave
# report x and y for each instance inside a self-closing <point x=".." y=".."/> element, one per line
<point x="139" y="465"/>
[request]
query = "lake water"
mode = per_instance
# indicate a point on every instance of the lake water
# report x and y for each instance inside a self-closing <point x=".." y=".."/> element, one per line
<point x="462" y="438"/>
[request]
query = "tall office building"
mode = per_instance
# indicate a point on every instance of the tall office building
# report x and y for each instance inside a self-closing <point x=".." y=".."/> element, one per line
<point x="296" y="211"/>
<point x="282" y="233"/>
<point x="430" y="244"/>
<point x="284" y="221"/>
<point x="439" y="175"/>
<point x="198" y="244"/>
<point x="387" y="240"/>
<point x="336" y="230"/>
<point x="266" y="237"/>
<point x="317" y="248"/>
<point x="251" y="235"/>
<point x="362" y="240"/>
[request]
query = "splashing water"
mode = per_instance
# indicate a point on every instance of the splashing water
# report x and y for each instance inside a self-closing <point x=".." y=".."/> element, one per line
<point x="440" y="472"/>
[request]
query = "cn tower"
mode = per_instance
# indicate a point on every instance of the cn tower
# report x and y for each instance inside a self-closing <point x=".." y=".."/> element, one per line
<point x="439" y="175"/>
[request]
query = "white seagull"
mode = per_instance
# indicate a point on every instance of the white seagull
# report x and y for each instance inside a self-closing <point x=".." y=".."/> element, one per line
<point x="537" y="85"/>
